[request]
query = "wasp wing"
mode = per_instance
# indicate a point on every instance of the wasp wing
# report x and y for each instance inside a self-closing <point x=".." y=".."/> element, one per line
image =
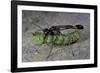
<point x="63" y="27"/>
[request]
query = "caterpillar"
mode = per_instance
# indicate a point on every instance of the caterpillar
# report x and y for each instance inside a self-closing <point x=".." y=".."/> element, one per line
<point x="66" y="39"/>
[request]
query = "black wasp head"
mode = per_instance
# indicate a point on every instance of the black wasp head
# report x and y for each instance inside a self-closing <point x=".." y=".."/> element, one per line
<point x="45" y="30"/>
<point x="79" y="27"/>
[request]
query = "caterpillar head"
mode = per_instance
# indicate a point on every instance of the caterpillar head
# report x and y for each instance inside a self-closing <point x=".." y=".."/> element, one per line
<point x="79" y="27"/>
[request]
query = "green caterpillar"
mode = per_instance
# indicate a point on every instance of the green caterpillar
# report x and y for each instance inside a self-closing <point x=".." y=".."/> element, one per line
<point x="38" y="38"/>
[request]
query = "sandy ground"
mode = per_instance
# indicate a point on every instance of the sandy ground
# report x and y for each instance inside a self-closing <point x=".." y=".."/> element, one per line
<point x="34" y="53"/>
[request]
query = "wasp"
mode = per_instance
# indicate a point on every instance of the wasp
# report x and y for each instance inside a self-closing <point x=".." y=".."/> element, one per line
<point x="53" y="35"/>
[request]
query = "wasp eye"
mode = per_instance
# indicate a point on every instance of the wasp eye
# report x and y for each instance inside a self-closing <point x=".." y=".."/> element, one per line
<point x="79" y="26"/>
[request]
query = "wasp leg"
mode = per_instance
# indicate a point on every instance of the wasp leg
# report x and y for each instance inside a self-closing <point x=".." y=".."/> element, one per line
<point x="73" y="54"/>
<point x="49" y="54"/>
<point x="72" y="51"/>
<point x="52" y="44"/>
